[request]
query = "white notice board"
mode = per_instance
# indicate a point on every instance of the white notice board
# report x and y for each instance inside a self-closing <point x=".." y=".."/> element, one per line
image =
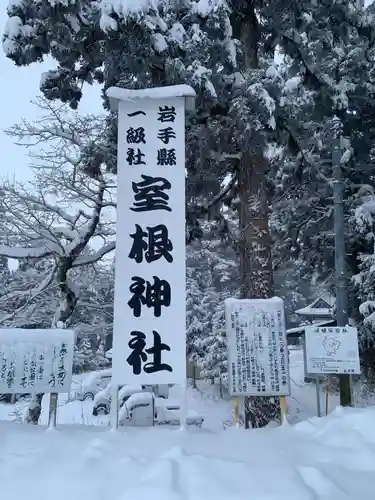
<point x="331" y="350"/>
<point x="257" y="348"/>
<point x="36" y="360"/>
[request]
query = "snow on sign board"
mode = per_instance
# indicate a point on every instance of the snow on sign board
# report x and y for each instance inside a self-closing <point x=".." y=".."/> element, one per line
<point x="149" y="344"/>
<point x="36" y="360"/>
<point x="257" y="349"/>
<point x="330" y="350"/>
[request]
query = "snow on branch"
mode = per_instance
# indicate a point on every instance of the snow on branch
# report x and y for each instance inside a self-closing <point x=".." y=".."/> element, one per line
<point x="84" y="260"/>
<point x="41" y="221"/>
<point x="64" y="138"/>
<point x="60" y="210"/>
<point x="88" y="230"/>
<point x="43" y="205"/>
<point x="63" y="219"/>
<point x="30" y="296"/>
<point x="228" y="189"/>
<point x="19" y="253"/>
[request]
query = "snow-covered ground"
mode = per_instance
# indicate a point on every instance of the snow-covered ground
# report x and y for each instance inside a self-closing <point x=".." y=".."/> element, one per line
<point x="331" y="458"/>
<point x="302" y="402"/>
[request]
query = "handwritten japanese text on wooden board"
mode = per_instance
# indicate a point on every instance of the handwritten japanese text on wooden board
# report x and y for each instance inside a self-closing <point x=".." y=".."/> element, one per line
<point x="36" y="360"/>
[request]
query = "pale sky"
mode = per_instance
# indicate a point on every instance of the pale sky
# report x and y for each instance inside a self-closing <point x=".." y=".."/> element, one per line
<point x="19" y="86"/>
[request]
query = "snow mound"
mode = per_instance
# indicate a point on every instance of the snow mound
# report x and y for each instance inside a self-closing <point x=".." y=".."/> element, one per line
<point x="89" y="380"/>
<point x="332" y="458"/>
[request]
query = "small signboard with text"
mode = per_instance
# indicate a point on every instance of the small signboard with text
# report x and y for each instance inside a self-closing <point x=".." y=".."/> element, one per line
<point x="36" y="361"/>
<point x="258" y="362"/>
<point x="331" y="350"/>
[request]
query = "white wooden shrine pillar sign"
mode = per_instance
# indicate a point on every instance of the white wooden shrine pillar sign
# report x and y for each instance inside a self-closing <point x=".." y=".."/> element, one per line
<point x="149" y="340"/>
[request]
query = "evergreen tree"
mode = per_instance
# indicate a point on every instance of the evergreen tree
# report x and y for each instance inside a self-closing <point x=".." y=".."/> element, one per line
<point x="195" y="316"/>
<point x="212" y="276"/>
<point x="362" y="222"/>
<point x="83" y="355"/>
<point x="214" y="345"/>
<point x="339" y="76"/>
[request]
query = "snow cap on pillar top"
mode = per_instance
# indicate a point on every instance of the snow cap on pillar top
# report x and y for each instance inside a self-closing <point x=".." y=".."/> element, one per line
<point x="116" y="94"/>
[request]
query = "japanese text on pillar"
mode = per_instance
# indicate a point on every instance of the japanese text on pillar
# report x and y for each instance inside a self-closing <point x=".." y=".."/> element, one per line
<point x="150" y="243"/>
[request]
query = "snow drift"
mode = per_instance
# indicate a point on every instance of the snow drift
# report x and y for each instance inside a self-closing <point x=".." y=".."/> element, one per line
<point x="332" y="458"/>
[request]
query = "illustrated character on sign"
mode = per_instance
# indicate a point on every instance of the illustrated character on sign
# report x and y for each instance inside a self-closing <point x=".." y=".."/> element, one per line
<point x="331" y="345"/>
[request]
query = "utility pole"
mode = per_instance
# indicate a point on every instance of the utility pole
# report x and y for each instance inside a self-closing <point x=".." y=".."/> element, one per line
<point x="340" y="265"/>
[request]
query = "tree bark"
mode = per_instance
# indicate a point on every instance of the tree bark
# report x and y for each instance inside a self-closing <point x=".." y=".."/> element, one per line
<point x="254" y="193"/>
<point x="255" y="259"/>
<point x="34" y="409"/>
<point x="255" y="240"/>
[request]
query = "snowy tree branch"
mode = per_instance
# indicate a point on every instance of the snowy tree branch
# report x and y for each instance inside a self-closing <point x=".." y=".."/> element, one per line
<point x="25" y="253"/>
<point x="32" y="295"/>
<point x="84" y="260"/>
<point x="58" y="213"/>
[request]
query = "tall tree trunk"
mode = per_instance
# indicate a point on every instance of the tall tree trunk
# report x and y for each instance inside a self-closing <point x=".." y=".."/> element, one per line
<point x="255" y="240"/>
<point x="255" y="260"/>
<point x="65" y="308"/>
<point x="254" y="194"/>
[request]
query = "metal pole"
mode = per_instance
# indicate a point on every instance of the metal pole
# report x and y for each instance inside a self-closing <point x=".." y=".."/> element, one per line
<point x="52" y="414"/>
<point x="317" y="387"/>
<point x="326" y="390"/>
<point x="340" y="267"/>
<point x="114" y="407"/>
<point x="183" y="407"/>
<point x="236" y="412"/>
<point x="283" y="411"/>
